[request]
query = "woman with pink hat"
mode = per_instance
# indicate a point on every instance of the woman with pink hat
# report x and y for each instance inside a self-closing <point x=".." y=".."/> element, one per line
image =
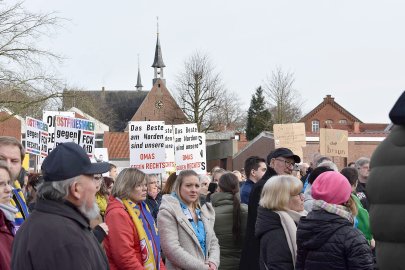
<point x="326" y="238"/>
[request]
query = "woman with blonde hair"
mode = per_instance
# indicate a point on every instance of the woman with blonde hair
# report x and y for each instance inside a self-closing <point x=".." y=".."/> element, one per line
<point x="326" y="238"/>
<point x="280" y="208"/>
<point x="133" y="240"/>
<point x="186" y="229"/>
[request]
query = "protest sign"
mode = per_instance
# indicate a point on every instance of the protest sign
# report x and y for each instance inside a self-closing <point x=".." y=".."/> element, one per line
<point x="147" y="146"/>
<point x="36" y="137"/>
<point x="186" y="147"/>
<point x="333" y="142"/>
<point x="169" y="150"/>
<point x="80" y="131"/>
<point x="49" y="118"/>
<point x="290" y="136"/>
<point x="203" y="154"/>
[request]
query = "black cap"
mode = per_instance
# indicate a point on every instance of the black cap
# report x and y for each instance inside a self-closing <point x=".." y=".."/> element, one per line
<point x="283" y="152"/>
<point x="68" y="160"/>
<point x="397" y="113"/>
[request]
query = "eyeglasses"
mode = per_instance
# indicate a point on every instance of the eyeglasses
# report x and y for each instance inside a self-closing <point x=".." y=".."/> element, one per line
<point x="97" y="178"/>
<point x="299" y="194"/>
<point x="287" y="163"/>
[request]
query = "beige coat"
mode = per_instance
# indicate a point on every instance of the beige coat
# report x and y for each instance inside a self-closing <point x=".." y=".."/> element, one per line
<point x="178" y="240"/>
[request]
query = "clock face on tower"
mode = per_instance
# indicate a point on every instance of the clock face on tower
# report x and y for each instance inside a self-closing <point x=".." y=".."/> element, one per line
<point x="158" y="104"/>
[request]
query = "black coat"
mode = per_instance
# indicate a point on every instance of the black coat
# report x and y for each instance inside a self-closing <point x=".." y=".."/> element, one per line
<point x="328" y="241"/>
<point x="274" y="250"/>
<point x="251" y="248"/>
<point x="57" y="236"/>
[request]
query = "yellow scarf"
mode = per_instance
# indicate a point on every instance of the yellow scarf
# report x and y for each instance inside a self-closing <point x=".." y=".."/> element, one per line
<point x="147" y="253"/>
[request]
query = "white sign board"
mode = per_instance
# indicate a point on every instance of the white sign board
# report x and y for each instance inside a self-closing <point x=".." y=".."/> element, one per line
<point x="80" y="131"/>
<point x="186" y="146"/>
<point x="36" y="137"/>
<point x="169" y="150"/>
<point x="147" y="146"/>
<point x="203" y="154"/>
<point x="49" y="118"/>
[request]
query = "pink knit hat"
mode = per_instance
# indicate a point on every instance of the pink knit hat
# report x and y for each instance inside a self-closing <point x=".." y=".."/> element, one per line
<point x="332" y="187"/>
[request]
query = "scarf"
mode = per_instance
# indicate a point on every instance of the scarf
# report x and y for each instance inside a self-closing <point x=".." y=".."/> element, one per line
<point x="339" y="210"/>
<point x="199" y="229"/>
<point x="147" y="231"/>
<point x="9" y="213"/>
<point x="289" y="219"/>
<point x="18" y="201"/>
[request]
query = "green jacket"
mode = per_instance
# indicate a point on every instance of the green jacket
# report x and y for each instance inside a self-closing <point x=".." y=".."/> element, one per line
<point x="363" y="219"/>
<point x="230" y="251"/>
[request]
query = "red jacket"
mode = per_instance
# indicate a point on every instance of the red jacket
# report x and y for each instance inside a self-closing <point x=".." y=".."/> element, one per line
<point x="122" y="242"/>
<point x="6" y="241"/>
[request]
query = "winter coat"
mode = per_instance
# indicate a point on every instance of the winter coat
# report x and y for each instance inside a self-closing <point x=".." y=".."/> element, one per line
<point x="230" y="251"/>
<point x="122" y="242"/>
<point x="385" y="191"/>
<point x="251" y="247"/>
<point x="154" y="204"/>
<point x="329" y="241"/>
<point x="362" y="195"/>
<point x="57" y="236"/>
<point x="6" y="241"/>
<point x="179" y="241"/>
<point x="274" y="250"/>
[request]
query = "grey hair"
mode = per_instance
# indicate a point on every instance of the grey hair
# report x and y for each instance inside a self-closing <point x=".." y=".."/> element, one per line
<point x="203" y="177"/>
<point x="361" y="162"/>
<point x="329" y="164"/>
<point x="55" y="190"/>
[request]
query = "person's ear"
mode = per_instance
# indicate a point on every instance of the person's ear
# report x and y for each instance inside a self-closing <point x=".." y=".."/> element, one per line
<point x="76" y="190"/>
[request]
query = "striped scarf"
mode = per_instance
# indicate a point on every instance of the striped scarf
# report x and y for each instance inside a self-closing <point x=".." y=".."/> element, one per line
<point x="18" y="201"/>
<point x="339" y="210"/>
<point x="147" y="231"/>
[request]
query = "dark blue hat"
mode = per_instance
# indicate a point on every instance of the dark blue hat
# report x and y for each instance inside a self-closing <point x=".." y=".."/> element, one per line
<point x="283" y="152"/>
<point x="397" y="113"/>
<point x="68" y="160"/>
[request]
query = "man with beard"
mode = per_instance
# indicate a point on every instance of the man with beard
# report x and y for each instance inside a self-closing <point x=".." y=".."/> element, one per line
<point x="280" y="162"/>
<point x="57" y="235"/>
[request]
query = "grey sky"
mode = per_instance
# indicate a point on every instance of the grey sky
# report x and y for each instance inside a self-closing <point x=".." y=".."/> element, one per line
<point x="353" y="50"/>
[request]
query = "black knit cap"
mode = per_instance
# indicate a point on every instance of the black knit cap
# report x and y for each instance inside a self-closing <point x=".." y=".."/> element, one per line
<point x="397" y="113"/>
<point x="68" y="160"/>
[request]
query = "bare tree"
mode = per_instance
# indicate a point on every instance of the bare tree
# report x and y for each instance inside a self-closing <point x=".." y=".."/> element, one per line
<point x="228" y="115"/>
<point x="285" y="102"/>
<point x="199" y="88"/>
<point x="24" y="65"/>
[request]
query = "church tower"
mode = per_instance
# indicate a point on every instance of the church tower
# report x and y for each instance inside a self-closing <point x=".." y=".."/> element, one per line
<point x="158" y="64"/>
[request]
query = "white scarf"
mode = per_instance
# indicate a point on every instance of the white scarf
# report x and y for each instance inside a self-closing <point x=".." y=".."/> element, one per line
<point x="289" y="218"/>
<point x="9" y="211"/>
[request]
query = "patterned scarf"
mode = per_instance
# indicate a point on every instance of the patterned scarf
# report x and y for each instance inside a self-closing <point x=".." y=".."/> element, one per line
<point x="18" y="201"/>
<point x="339" y="210"/>
<point x="147" y="231"/>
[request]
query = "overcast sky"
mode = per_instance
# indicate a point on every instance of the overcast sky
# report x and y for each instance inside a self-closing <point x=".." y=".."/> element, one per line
<point x="353" y="50"/>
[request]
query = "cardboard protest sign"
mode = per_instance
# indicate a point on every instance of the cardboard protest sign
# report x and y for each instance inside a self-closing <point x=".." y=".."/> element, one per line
<point x="203" y="154"/>
<point x="36" y="137"/>
<point x="186" y="145"/>
<point x="80" y="131"/>
<point x="147" y="146"/>
<point x="169" y="150"/>
<point x="49" y="118"/>
<point x="333" y="142"/>
<point x="291" y="136"/>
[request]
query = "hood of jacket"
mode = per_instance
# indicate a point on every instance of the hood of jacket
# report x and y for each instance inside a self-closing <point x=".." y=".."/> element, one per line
<point x="221" y="198"/>
<point x="316" y="229"/>
<point x="267" y="220"/>
<point x="113" y="203"/>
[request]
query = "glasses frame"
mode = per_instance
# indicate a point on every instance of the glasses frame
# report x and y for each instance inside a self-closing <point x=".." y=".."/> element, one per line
<point x="286" y="162"/>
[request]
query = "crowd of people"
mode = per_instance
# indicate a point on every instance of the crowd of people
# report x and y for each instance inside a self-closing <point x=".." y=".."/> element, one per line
<point x="269" y="216"/>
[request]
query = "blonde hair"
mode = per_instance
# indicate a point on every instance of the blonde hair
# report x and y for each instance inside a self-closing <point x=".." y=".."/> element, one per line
<point x="179" y="182"/>
<point x="278" y="190"/>
<point x="126" y="181"/>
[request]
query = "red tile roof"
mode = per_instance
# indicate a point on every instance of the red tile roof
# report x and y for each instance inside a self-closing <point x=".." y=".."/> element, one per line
<point x="117" y="144"/>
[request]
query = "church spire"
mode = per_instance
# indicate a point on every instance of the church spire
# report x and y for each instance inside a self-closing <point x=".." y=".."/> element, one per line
<point x="138" y="81"/>
<point x="158" y="64"/>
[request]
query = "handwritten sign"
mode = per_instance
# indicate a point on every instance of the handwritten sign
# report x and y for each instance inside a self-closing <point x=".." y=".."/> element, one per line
<point x="36" y="137"/>
<point x="147" y="146"/>
<point x="80" y="131"/>
<point x="186" y="145"/>
<point x="291" y="136"/>
<point x="333" y="142"/>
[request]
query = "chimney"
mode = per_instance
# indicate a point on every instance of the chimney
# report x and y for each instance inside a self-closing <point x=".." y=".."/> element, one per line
<point x="328" y="98"/>
<point x="103" y="88"/>
<point x="356" y="127"/>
